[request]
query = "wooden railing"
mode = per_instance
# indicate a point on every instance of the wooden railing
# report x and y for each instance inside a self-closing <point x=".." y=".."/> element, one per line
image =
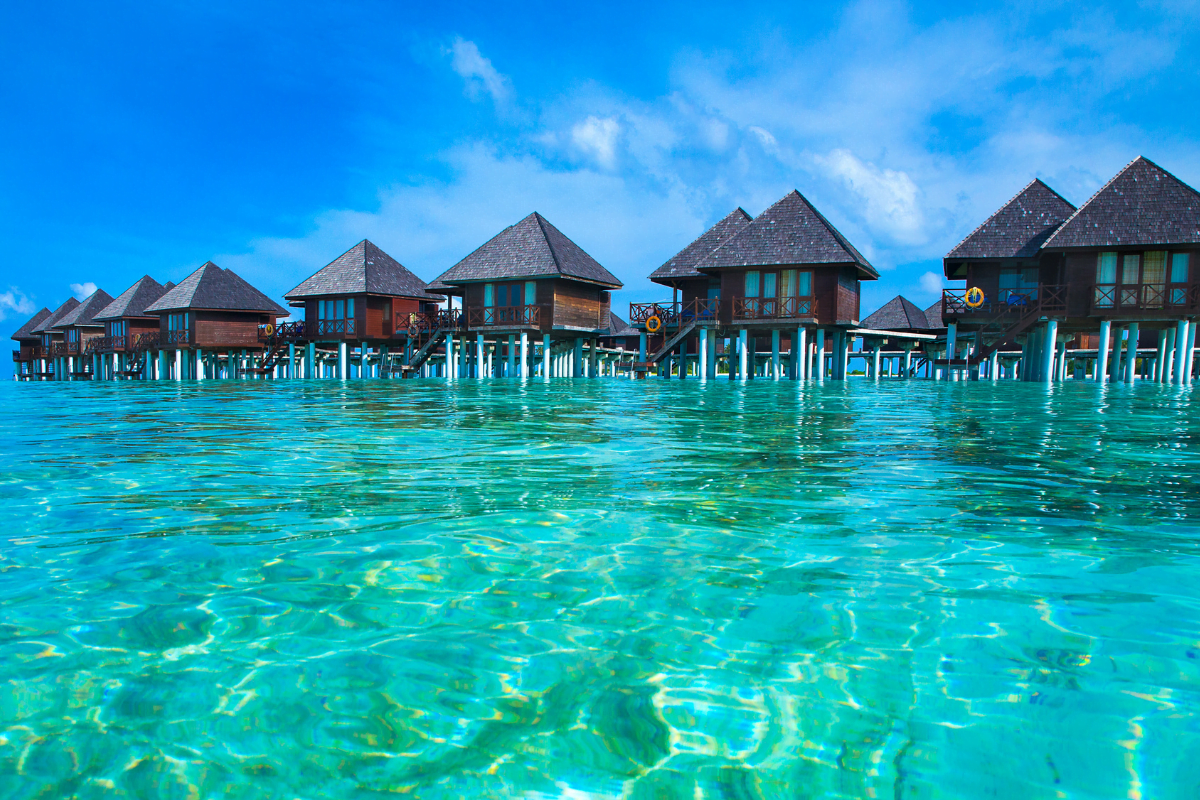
<point x="1046" y="298"/>
<point x="105" y="344"/>
<point x="413" y="323"/>
<point x="57" y="349"/>
<point x="146" y="341"/>
<point x="28" y="353"/>
<point x="72" y="348"/>
<point x="178" y="337"/>
<point x="675" y="314"/>
<point x="504" y="317"/>
<point x="1117" y="298"/>
<point x="751" y="308"/>
<point x="283" y="332"/>
<point x="335" y="326"/>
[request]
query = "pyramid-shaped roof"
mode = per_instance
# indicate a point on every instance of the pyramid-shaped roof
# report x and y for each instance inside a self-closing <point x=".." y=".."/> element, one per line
<point x="619" y="327"/>
<point x="82" y="315"/>
<point x="363" y="268"/>
<point x="51" y="321"/>
<point x="1019" y="228"/>
<point x="1142" y="205"/>
<point x="683" y="264"/>
<point x="133" y="301"/>
<point x="898" y="314"/>
<point x="26" y="330"/>
<point x="933" y="315"/>
<point x="532" y="248"/>
<point x="790" y="232"/>
<point x="213" y="288"/>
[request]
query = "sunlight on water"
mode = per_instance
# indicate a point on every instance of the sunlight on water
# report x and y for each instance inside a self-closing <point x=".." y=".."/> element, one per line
<point x="599" y="589"/>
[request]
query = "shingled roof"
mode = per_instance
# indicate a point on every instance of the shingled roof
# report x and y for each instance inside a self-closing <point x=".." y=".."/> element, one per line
<point x="26" y="331"/>
<point x="533" y="248"/>
<point x="213" y="288"/>
<point x="790" y="232"/>
<point x="1142" y="205"/>
<point x="1019" y="228"/>
<point x="683" y="263"/>
<point x="364" y="268"/>
<point x="619" y="327"/>
<point x="133" y="301"/>
<point x="933" y="315"/>
<point x="49" y="322"/>
<point x="92" y="305"/>
<point x="898" y="314"/>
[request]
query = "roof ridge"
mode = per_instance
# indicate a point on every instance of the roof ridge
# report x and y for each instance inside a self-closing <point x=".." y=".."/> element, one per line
<point x="1097" y="193"/>
<point x="549" y="244"/>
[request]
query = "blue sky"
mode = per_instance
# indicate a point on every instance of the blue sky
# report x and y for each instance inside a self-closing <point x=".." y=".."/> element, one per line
<point x="149" y="138"/>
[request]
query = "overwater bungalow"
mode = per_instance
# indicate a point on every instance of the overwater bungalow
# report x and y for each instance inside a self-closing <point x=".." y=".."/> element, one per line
<point x="529" y="280"/>
<point x="54" y="352"/>
<point x="1111" y="284"/>
<point x="209" y="327"/>
<point x="26" y="358"/>
<point x="787" y="274"/>
<point x="131" y="333"/>
<point x="364" y="298"/>
<point x="79" y="328"/>
<point x="901" y="339"/>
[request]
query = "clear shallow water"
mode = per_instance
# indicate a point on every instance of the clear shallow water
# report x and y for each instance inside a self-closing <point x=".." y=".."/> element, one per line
<point x="599" y="589"/>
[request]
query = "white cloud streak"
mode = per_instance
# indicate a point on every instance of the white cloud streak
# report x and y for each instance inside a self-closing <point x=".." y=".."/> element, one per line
<point x="598" y="138"/>
<point x="83" y="290"/>
<point x="477" y="72"/>
<point x="14" y="301"/>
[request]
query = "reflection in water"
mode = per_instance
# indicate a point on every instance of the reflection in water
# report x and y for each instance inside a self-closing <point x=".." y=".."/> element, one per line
<point x="599" y="589"/>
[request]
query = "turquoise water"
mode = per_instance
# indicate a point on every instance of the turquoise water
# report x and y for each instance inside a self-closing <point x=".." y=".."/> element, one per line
<point x="599" y="589"/>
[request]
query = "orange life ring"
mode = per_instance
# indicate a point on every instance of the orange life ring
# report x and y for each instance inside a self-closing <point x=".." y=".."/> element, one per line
<point x="270" y="329"/>
<point x="974" y="297"/>
<point x="653" y="323"/>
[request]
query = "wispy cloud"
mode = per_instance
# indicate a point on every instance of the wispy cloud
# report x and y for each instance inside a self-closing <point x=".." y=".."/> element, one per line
<point x="477" y="72"/>
<point x="598" y="138"/>
<point x="14" y="301"/>
<point x="931" y="284"/>
<point x="83" y="290"/>
<point x="890" y="195"/>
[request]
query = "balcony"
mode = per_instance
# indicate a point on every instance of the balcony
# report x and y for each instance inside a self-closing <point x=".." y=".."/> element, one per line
<point x="1145" y="299"/>
<point x="178" y="337"/>
<point x="283" y="332"/>
<point x="748" y="309"/>
<point x="415" y="323"/>
<point x="57" y="349"/>
<point x="672" y="315"/>
<point x="1046" y="298"/>
<point x="27" y="353"/>
<point x="72" y="348"/>
<point x="505" y="317"/>
<point x="335" y="327"/>
<point x="106" y="344"/>
<point x="145" y="341"/>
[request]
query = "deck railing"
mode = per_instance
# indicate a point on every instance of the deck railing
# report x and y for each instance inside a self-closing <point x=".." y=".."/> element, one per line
<point x="1117" y="298"/>
<point x="674" y="314"/>
<point x="340" y="327"/>
<point x="58" y="349"/>
<point x="770" y="308"/>
<point x="28" y="353"/>
<point x="106" y="344"/>
<point x="283" y="332"/>
<point x="504" y="317"/>
<point x="1046" y="298"/>
<point x="413" y="323"/>
<point x="178" y="337"/>
<point x="72" y="348"/>
<point x="146" y="341"/>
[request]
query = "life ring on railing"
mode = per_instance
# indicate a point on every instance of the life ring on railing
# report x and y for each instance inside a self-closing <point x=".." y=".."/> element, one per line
<point x="974" y="297"/>
<point x="270" y="330"/>
<point x="653" y="324"/>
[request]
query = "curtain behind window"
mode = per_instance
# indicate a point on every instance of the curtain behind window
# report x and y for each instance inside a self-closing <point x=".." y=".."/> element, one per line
<point x="752" y="283"/>
<point x="530" y="292"/>
<point x="1179" y="267"/>
<point x="1106" y="268"/>
<point x="1129" y="268"/>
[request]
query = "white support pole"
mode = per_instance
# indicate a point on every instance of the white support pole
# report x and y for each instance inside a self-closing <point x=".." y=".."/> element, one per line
<point x="820" y="356"/>
<point x="994" y="365"/>
<point x="875" y="362"/>
<point x="908" y="361"/>
<point x="178" y="364"/>
<point x="546" y="356"/>
<point x="1102" y="351"/>
<point x="1191" y="352"/>
<point x="702" y="361"/>
<point x="512" y="355"/>
<point x="1114" y="367"/>
<point x="1047" y="353"/>
<point x="1160" y="359"/>
<point x="775" y="355"/>
<point x="199" y="364"/>
<point x="743" y="356"/>
<point x="479" y="355"/>
<point x="803" y="364"/>
<point x="364" y="365"/>
<point x="525" y="354"/>
<point x="343" y="361"/>
<point x="291" y="370"/>
<point x="1131" y="353"/>
<point x="1180" y="359"/>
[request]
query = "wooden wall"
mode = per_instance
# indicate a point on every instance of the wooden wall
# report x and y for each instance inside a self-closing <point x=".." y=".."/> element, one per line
<point x="578" y="305"/>
<point x="220" y="329"/>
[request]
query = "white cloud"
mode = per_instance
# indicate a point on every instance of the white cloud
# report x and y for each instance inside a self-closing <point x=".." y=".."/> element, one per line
<point x="931" y="284"/>
<point x="14" y="301"/>
<point x="764" y="136"/>
<point x="598" y="138"/>
<point x="83" y="290"/>
<point x="890" y="195"/>
<point x="477" y="72"/>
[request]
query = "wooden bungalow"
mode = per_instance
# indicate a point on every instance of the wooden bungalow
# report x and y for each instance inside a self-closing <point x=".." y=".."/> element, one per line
<point x="529" y="280"/>
<point x="362" y="298"/>
<point x="788" y="274"/>
<point x="211" y="322"/>
<point x="1115" y="278"/>
<point x="79" y="328"/>
<point x="897" y="330"/>
<point x="25" y="359"/>
<point x="131" y="333"/>
<point x="52" y="365"/>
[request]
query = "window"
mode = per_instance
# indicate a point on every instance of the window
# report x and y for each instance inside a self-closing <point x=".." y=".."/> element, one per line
<point x="530" y="293"/>
<point x="1179" y="267"/>
<point x="1130" y="265"/>
<point x="783" y="293"/>
<point x="489" y="295"/>
<point x="1154" y="278"/>
<point x="752" y="283"/>
<point x="1106" y="268"/>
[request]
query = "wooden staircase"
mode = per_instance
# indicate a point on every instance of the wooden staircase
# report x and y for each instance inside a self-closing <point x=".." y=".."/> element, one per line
<point x="681" y="334"/>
